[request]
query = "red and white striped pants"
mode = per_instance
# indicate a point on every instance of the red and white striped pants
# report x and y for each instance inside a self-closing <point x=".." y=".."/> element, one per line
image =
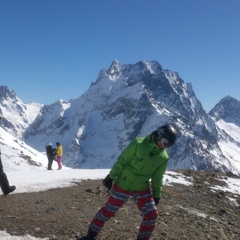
<point x="117" y="198"/>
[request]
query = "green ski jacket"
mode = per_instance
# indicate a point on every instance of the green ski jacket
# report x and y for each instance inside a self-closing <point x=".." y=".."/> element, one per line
<point x="139" y="164"/>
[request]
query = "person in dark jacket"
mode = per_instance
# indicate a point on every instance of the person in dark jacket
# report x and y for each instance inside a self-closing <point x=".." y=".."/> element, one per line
<point x="137" y="173"/>
<point x="6" y="189"/>
<point x="4" y="184"/>
<point x="50" y="155"/>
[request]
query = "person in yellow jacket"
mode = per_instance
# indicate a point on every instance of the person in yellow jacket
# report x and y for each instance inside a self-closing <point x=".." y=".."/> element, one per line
<point x="59" y="154"/>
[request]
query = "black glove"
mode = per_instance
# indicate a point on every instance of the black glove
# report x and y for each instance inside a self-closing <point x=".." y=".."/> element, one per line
<point x="156" y="200"/>
<point x="107" y="182"/>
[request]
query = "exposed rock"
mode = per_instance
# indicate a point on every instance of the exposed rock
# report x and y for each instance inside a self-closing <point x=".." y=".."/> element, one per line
<point x="185" y="212"/>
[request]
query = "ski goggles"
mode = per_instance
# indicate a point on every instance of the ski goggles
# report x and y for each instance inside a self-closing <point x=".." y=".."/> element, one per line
<point x="166" y="143"/>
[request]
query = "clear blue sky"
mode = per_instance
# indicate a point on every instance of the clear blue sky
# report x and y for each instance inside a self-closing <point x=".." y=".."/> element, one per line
<point x="54" y="49"/>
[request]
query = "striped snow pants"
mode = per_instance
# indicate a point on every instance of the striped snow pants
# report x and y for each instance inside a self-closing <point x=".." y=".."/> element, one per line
<point x="117" y="198"/>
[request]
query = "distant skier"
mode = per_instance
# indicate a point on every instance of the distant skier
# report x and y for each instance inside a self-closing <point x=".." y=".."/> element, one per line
<point x="50" y="155"/>
<point x="143" y="160"/>
<point x="4" y="184"/>
<point x="59" y="153"/>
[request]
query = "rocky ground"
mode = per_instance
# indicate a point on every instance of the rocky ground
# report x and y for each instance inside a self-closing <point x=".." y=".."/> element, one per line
<point x="185" y="212"/>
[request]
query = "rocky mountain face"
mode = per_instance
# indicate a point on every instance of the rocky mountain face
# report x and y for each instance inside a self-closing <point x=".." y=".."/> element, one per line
<point x="132" y="100"/>
<point x="226" y="116"/>
<point x="17" y="115"/>
<point x="228" y="109"/>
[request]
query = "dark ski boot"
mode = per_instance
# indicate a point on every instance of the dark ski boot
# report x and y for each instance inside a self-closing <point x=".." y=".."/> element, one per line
<point x="10" y="189"/>
<point x="4" y="184"/>
<point x="90" y="236"/>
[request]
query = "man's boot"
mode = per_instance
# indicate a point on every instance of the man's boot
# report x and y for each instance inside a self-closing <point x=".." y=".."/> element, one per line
<point x="4" y="184"/>
<point x="90" y="236"/>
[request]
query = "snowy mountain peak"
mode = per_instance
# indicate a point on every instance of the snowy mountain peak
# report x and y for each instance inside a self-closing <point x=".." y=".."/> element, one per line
<point x="17" y="116"/>
<point x="115" y="67"/>
<point x="7" y="93"/>
<point x="227" y="109"/>
<point x="154" y="67"/>
<point x="118" y="70"/>
<point x="133" y="70"/>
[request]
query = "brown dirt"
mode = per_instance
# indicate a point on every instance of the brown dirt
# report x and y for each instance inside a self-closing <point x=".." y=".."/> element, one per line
<point x="185" y="212"/>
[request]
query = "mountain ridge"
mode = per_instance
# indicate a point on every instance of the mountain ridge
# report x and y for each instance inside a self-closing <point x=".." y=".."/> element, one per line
<point x="129" y="100"/>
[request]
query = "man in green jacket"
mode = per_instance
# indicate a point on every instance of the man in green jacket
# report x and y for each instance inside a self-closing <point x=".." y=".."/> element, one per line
<point x="137" y="173"/>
